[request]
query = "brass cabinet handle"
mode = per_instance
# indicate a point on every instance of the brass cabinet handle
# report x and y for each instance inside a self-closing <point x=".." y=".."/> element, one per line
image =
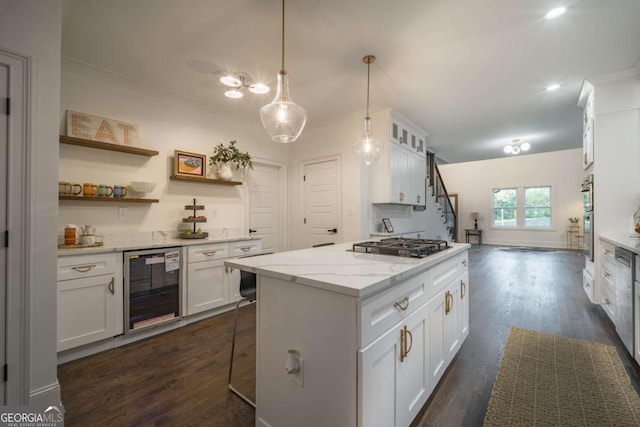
<point x="209" y="253"/>
<point x="607" y="251"/>
<point x="402" y="303"/>
<point x="606" y="274"/>
<point x="111" y="286"/>
<point x="606" y="301"/>
<point x="463" y="289"/>
<point x="245" y="248"/>
<point x="404" y="351"/>
<point x="447" y="304"/>
<point x="401" y="196"/>
<point x="418" y="198"/>
<point x="83" y="268"/>
<point x="464" y="262"/>
<point x="586" y="285"/>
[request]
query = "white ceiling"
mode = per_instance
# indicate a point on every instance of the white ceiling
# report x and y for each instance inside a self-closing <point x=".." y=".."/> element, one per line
<point x="472" y="73"/>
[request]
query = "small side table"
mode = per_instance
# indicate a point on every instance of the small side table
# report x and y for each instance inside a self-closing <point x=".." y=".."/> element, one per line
<point x="473" y="232"/>
<point x="574" y="238"/>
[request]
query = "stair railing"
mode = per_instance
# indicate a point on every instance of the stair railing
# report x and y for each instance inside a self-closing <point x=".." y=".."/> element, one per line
<point x="442" y="196"/>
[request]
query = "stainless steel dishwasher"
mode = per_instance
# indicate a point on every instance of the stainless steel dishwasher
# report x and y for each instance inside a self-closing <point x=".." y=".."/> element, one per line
<point x="625" y="271"/>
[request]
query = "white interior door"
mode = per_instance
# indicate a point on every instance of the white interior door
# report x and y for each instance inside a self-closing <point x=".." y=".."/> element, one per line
<point x="4" y="142"/>
<point x="264" y="206"/>
<point x="321" y="203"/>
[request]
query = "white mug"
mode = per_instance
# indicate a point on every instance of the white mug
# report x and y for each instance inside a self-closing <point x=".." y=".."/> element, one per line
<point x="89" y="230"/>
<point x="87" y="240"/>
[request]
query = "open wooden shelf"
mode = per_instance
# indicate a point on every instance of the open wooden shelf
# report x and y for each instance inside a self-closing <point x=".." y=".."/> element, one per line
<point x="107" y="199"/>
<point x="106" y="146"/>
<point x="206" y="180"/>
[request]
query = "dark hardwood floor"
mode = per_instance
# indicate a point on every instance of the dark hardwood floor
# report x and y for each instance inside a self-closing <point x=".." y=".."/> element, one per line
<point x="179" y="378"/>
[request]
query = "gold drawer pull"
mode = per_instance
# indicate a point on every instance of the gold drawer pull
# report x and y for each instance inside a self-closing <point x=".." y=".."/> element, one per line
<point x="402" y="303"/>
<point x="83" y="268"/>
<point x="111" y="286"/>
<point x="245" y="248"/>
<point x="463" y="289"/>
<point x="606" y="301"/>
<point x="464" y="262"/>
<point x="209" y="253"/>
<point x="606" y="274"/>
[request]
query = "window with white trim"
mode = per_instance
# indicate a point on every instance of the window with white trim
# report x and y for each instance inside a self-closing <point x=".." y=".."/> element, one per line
<point x="505" y="204"/>
<point x="522" y="207"/>
<point x="537" y="206"/>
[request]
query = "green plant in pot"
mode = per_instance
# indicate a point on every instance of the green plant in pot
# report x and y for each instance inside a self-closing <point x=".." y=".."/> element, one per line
<point x="225" y="158"/>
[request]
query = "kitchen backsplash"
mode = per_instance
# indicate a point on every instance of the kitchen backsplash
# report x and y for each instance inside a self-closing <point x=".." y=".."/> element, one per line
<point x="403" y="218"/>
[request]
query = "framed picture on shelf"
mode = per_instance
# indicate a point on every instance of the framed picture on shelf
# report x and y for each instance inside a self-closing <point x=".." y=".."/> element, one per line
<point x="387" y="225"/>
<point x="189" y="164"/>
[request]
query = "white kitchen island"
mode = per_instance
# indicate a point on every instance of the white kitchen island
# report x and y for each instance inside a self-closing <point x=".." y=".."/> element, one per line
<point x="374" y="333"/>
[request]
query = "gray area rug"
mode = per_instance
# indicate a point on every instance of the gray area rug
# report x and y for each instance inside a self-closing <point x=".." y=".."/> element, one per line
<point x="548" y="380"/>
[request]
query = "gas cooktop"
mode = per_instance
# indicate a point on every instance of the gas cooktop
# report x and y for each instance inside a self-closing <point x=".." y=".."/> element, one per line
<point x="415" y="248"/>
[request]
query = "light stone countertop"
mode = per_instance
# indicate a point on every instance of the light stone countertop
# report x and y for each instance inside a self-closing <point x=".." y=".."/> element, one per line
<point x="336" y="269"/>
<point x="628" y="241"/>
<point x="150" y="244"/>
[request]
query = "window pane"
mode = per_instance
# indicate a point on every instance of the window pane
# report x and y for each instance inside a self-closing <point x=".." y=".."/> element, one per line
<point x="537" y="210"/>
<point x="504" y="207"/>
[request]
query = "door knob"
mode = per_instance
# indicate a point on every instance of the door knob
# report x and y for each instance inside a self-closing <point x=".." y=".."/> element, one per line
<point x="333" y="230"/>
<point x="251" y="230"/>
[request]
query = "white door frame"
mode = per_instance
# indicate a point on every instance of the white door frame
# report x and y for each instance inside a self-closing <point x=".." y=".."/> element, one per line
<point x="303" y="164"/>
<point x="282" y="200"/>
<point x="18" y="215"/>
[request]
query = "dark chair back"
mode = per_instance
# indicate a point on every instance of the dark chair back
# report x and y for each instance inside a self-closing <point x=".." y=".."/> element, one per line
<point x="248" y="281"/>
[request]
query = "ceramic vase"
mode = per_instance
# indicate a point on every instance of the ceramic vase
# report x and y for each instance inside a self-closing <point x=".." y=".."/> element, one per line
<point x="224" y="171"/>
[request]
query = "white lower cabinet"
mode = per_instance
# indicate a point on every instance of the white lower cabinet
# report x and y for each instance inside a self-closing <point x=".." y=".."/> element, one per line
<point x="395" y="377"/>
<point x="90" y="305"/>
<point x="448" y="325"/>
<point x="206" y="286"/>
<point x="400" y="368"/>
<point x="209" y="283"/>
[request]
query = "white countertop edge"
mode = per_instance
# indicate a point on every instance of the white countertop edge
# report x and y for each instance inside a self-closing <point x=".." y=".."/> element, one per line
<point x="128" y="246"/>
<point x="624" y="241"/>
<point x="374" y="288"/>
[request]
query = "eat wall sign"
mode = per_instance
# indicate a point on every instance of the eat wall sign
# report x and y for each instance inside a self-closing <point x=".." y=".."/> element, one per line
<point x="94" y="128"/>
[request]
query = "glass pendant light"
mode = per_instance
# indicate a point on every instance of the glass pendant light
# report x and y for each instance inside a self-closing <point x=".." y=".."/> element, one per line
<point x="368" y="148"/>
<point x="283" y="119"/>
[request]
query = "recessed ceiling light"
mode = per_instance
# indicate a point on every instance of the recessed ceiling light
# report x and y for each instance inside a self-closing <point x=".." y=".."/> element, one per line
<point x="552" y="87"/>
<point x="554" y="13"/>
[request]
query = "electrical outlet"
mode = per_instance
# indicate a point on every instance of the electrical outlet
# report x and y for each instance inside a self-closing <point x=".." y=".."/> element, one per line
<point x="299" y="378"/>
<point x="122" y="212"/>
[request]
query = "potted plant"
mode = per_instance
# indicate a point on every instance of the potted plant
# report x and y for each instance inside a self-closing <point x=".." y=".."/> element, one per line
<point x="224" y="158"/>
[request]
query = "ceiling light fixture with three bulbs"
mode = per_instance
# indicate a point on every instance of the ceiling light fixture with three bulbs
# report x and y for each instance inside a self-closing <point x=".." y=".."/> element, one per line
<point x="516" y="147"/>
<point x="237" y="81"/>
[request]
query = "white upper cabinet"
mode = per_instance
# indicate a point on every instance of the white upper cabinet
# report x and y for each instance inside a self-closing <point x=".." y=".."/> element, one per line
<point x="400" y="174"/>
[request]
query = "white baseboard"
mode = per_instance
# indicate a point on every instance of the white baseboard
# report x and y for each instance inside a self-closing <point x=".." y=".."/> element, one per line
<point x="47" y="395"/>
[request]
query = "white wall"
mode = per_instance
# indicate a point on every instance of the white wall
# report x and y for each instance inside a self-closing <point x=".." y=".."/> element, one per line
<point x="33" y="28"/>
<point x="164" y="124"/>
<point x="332" y="139"/>
<point x="474" y="182"/>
